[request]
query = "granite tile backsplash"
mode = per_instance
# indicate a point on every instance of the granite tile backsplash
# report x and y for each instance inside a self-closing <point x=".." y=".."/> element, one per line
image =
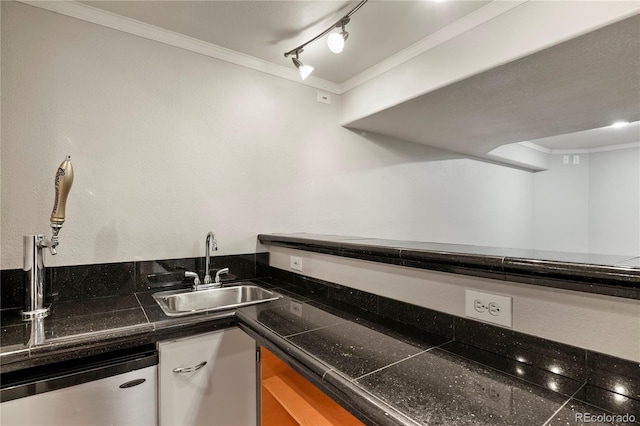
<point x="11" y="288"/>
<point x="523" y="354"/>
<point x="91" y="281"/>
<point x="65" y="283"/>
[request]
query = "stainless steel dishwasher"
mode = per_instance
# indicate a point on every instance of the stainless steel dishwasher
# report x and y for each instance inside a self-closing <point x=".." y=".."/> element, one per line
<point x="114" y="388"/>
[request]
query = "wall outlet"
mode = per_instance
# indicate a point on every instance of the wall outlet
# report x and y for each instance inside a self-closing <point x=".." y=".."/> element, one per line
<point x="324" y="98"/>
<point x="296" y="263"/>
<point x="488" y="307"/>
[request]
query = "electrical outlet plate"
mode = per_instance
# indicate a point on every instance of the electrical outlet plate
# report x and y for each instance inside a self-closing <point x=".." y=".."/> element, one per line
<point x="323" y="98"/>
<point x="296" y="263"/>
<point x="489" y="307"/>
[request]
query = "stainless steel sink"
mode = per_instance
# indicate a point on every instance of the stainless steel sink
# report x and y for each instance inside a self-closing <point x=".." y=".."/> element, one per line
<point x="186" y="302"/>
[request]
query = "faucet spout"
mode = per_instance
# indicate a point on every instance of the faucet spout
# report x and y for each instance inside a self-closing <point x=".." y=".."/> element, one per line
<point x="210" y="243"/>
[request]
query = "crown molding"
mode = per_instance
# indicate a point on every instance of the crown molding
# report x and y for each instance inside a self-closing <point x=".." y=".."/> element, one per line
<point x="131" y="26"/>
<point x="535" y="146"/>
<point x="615" y="147"/>
<point x="604" y="148"/>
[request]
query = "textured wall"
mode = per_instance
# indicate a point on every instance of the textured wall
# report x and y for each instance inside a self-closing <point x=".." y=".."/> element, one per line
<point x="168" y="144"/>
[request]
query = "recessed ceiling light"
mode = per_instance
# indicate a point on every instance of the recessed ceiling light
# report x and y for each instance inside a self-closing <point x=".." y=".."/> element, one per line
<point x="618" y="124"/>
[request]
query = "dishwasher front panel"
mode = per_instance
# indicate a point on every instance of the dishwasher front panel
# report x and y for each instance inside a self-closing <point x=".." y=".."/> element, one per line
<point x="123" y="399"/>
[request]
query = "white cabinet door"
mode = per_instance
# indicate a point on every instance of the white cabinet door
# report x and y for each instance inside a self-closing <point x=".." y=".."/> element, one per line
<point x="208" y="379"/>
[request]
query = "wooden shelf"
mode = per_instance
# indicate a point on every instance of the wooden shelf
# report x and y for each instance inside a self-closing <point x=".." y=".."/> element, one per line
<point x="302" y="402"/>
<point x="274" y="414"/>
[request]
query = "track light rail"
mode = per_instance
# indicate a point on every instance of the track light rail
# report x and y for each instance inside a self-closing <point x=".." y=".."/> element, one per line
<point x="339" y="23"/>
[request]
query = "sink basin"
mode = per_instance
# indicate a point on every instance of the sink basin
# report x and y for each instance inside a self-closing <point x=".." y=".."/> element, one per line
<point x="186" y="302"/>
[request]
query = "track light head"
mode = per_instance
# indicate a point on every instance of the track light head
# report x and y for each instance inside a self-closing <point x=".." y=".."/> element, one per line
<point x="305" y="70"/>
<point x="336" y="40"/>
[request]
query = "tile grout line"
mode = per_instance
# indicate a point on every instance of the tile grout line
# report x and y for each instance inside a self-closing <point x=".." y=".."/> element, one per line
<point x="315" y="329"/>
<point x="400" y="360"/>
<point x="135" y="280"/>
<point x="143" y="311"/>
<point x="555" y="413"/>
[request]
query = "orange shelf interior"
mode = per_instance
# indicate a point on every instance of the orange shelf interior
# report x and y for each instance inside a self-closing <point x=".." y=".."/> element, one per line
<point x="290" y="400"/>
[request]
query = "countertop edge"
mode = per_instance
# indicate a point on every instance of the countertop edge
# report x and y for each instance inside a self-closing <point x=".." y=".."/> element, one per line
<point x="363" y="405"/>
<point x="618" y="281"/>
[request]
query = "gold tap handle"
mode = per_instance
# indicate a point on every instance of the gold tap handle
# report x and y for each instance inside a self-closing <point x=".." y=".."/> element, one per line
<point x="63" y="182"/>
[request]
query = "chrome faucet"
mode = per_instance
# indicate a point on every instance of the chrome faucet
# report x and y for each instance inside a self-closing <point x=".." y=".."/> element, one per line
<point x="211" y="239"/>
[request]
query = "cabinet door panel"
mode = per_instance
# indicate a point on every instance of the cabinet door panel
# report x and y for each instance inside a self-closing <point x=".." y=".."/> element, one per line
<point x="220" y="392"/>
<point x="98" y="403"/>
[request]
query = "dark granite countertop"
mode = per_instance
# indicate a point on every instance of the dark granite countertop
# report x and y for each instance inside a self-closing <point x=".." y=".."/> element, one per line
<point x="382" y="371"/>
<point x="79" y="328"/>
<point x="612" y="275"/>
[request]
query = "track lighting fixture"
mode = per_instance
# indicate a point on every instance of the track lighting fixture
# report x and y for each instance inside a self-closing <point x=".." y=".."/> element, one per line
<point x="305" y="70"/>
<point x="335" y="41"/>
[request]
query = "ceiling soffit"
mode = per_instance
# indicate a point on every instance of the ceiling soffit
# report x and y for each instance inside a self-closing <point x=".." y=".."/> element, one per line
<point x="584" y="83"/>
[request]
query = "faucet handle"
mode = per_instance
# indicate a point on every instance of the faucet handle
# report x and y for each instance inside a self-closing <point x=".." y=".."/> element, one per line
<point x="221" y="272"/>
<point x="196" y="279"/>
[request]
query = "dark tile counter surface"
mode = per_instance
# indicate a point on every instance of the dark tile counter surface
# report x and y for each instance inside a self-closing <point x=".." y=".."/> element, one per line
<point x="611" y="275"/>
<point x="79" y="328"/>
<point x="384" y="372"/>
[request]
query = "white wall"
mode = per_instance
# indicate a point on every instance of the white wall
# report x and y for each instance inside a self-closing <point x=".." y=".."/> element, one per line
<point x="168" y="144"/>
<point x="600" y="323"/>
<point x="561" y="206"/>
<point x="614" y="201"/>
<point x="591" y="207"/>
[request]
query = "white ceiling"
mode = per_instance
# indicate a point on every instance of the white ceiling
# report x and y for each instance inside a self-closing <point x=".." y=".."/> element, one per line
<point x="582" y="84"/>
<point x="267" y="29"/>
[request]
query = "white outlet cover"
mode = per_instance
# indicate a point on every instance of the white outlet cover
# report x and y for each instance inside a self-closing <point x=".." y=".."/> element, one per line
<point x="323" y="98"/>
<point x="296" y="263"/>
<point x="505" y="314"/>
